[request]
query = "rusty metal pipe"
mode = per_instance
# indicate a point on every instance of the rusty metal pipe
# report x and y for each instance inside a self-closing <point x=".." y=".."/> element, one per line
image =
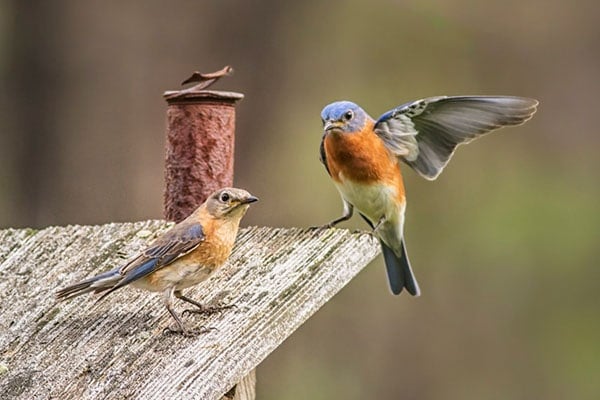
<point x="199" y="148"/>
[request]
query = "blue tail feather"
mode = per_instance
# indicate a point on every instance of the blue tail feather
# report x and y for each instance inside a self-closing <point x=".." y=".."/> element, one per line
<point x="135" y="274"/>
<point x="399" y="272"/>
<point x="87" y="285"/>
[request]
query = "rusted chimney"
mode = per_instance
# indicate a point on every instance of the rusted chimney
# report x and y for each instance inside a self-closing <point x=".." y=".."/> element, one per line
<point x="200" y="143"/>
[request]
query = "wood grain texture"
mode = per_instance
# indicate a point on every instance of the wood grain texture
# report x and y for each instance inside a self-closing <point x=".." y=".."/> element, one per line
<point x="276" y="278"/>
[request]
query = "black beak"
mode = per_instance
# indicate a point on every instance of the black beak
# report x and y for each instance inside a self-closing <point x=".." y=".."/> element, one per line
<point x="328" y="125"/>
<point x="248" y="200"/>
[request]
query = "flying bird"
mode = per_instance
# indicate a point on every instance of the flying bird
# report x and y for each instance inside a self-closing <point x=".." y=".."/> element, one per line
<point x="363" y="156"/>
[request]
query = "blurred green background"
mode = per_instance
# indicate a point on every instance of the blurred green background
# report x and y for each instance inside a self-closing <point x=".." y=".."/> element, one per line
<point x="504" y="243"/>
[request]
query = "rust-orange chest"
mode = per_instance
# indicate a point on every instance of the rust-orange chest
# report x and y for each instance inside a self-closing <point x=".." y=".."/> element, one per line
<point x="215" y="249"/>
<point x="361" y="157"/>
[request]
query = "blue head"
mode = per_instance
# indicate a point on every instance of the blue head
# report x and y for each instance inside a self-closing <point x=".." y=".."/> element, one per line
<point x="343" y="116"/>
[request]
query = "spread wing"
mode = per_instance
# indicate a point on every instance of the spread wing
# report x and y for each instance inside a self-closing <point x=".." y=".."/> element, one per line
<point x="425" y="133"/>
<point x="173" y="244"/>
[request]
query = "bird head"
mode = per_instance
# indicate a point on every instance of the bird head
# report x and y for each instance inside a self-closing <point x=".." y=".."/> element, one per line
<point x="343" y="117"/>
<point x="229" y="202"/>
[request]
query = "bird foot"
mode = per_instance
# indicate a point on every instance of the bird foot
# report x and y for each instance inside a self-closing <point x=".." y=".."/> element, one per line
<point x="330" y="225"/>
<point x="187" y="332"/>
<point x="209" y="310"/>
<point x="318" y="227"/>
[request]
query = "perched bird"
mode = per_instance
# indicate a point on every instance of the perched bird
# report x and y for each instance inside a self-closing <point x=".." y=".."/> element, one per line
<point x="183" y="256"/>
<point x="363" y="156"/>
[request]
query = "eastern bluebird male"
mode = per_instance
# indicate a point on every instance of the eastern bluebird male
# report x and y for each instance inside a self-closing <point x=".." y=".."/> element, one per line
<point x="183" y="256"/>
<point x="363" y="156"/>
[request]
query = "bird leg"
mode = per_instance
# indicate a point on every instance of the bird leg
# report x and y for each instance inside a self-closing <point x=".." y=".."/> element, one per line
<point x="202" y="309"/>
<point x="374" y="228"/>
<point x="336" y="221"/>
<point x="168" y="298"/>
<point x="378" y="224"/>
<point x="348" y="211"/>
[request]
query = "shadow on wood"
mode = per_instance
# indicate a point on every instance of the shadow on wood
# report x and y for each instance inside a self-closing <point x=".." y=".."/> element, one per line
<point x="276" y="278"/>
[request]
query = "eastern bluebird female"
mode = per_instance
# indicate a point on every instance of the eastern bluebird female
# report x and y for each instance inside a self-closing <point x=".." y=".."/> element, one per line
<point x="363" y="156"/>
<point x="183" y="256"/>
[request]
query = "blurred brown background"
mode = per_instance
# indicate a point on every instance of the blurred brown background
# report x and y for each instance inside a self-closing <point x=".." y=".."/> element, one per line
<point x="504" y="243"/>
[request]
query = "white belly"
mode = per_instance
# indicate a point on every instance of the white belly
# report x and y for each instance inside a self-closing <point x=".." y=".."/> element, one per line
<point x="374" y="201"/>
<point x="181" y="275"/>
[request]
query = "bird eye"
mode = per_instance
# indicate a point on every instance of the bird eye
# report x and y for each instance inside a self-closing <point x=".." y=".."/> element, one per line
<point x="225" y="197"/>
<point x="349" y="115"/>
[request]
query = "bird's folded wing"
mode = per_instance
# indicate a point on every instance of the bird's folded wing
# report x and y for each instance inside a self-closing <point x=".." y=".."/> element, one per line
<point x="173" y="244"/>
<point x="322" y="155"/>
<point x="425" y="133"/>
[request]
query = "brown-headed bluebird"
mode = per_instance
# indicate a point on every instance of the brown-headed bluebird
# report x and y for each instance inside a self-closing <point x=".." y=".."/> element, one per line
<point x="183" y="256"/>
<point x="363" y="155"/>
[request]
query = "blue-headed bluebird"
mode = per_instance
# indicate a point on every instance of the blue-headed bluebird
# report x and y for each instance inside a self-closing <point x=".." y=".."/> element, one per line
<point x="363" y="156"/>
<point x="183" y="256"/>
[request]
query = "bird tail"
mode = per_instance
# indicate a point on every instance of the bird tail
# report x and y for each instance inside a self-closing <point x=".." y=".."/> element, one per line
<point x="96" y="284"/>
<point x="399" y="272"/>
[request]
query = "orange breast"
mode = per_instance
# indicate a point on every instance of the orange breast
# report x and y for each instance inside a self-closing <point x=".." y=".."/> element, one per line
<point x="216" y="247"/>
<point x="363" y="158"/>
<point x="211" y="254"/>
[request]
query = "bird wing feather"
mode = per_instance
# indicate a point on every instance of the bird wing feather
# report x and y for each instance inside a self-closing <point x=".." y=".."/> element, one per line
<point x="173" y="244"/>
<point x="323" y="155"/>
<point x="425" y="133"/>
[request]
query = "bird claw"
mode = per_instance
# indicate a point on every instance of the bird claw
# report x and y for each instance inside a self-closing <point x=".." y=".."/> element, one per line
<point x="319" y="227"/>
<point x="209" y="310"/>
<point x="187" y="332"/>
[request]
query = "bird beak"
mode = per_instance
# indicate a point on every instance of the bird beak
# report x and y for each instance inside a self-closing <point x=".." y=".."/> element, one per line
<point x="331" y="125"/>
<point x="248" y="200"/>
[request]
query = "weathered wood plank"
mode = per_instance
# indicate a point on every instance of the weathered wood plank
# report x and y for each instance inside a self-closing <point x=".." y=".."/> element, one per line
<point x="243" y="390"/>
<point x="276" y="278"/>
